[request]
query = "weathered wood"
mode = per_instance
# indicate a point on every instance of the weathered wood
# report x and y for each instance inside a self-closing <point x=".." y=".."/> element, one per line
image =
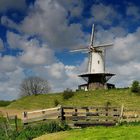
<point x="44" y="110"/>
<point x="33" y="116"/>
<point x="90" y="107"/>
<point x="94" y="114"/>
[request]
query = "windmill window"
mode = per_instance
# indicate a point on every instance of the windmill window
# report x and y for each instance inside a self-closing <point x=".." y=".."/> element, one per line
<point x="98" y="62"/>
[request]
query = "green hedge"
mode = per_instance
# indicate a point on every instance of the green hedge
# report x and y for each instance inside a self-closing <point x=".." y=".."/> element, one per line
<point x="30" y="132"/>
<point x="5" y="103"/>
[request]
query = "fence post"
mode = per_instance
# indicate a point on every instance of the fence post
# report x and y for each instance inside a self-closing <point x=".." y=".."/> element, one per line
<point x="87" y="114"/>
<point x="7" y="118"/>
<point x="25" y="116"/>
<point x="121" y="113"/>
<point x="75" y="110"/>
<point x="62" y="118"/>
<point x="16" y="126"/>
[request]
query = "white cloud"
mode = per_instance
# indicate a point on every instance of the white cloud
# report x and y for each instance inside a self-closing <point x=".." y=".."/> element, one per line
<point x="13" y="68"/>
<point x="34" y="56"/>
<point x="134" y="11"/>
<point x="48" y="19"/>
<point x="34" y="52"/>
<point x="104" y="14"/>
<point x="123" y="59"/>
<point x="125" y="74"/>
<point x="61" y="76"/>
<point x="75" y="7"/>
<point x="8" y="22"/>
<point x="16" y="40"/>
<point x="109" y="36"/>
<point x="8" y="64"/>
<point x="56" y="70"/>
<point x="4" y="77"/>
<point x="9" y="88"/>
<point x="127" y="48"/>
<point x="12" y="4"/>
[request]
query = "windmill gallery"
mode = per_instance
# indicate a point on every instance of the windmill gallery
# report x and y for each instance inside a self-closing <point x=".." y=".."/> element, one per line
<point x="96" y="77"/>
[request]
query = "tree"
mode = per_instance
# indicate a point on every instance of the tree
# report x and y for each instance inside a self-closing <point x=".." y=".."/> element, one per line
<point x="34" y="86"/>
<point x="135" y="87"/>
<point x="67" y="94"/>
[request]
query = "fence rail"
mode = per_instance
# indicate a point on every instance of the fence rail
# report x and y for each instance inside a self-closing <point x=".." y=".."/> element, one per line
<point x="91" y="115"/>
<point x="39" y="115"/>
<point x="74" y="114"/>
<point x="103" y="115"/>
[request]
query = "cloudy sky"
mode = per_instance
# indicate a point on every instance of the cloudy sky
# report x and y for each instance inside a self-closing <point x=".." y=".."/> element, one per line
<point x="36" y="36"/>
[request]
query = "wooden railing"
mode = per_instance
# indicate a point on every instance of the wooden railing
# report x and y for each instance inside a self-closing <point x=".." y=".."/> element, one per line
<point x="106" y="115"/>
<point x="91" y="115"/>
<point x="40" y="115"/>
<point x="75" y="115"/>
<point x="131" y="115"/>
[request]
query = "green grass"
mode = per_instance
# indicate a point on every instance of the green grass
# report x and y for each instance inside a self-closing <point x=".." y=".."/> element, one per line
<point x="116" y="97"/>
<point x="5" y="103"/>
<point x="92" y="98"/>
<point x="97" y="133"/>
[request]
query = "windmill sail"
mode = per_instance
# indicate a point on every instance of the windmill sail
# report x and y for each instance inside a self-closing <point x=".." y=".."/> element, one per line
<point x="92" y="36"/>
<point x="103" y="45"/>
<point x="96" y="60"/>
<point x="79" y="50"/>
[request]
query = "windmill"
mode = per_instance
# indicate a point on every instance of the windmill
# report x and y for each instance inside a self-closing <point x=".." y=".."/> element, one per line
<point x="96" y="77"/>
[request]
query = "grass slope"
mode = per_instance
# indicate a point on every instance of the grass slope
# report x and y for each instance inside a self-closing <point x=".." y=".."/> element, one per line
<point x="92" y="98"/>
<point x="96" y="133"/>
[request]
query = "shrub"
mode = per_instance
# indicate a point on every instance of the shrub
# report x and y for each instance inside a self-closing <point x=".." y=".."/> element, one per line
<point x="6" y="132"/>
<point x="53" y="127"/>
<point x="29" y="132"/>
<point x="56" y="102"/>
<point x="5" y="103"/>
<point x="34" y="131"/>
<point x="135" y="87"/>
<point x="65" y="126"/>
<point x="67" y="94"/>
<point x="107" y="104"/>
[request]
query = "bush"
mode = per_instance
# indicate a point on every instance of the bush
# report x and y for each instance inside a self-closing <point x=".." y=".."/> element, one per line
<point x="6" y="132"/>
<point x="56" y="102"/>
<point x="29" y="132"/>
<point x="65" y="126"/>
<point x="135" y="87"/>
<point x="53" y="127"/>
<point x="107" y="104"/>
<point x="5" y="103"/>
<point x="34" y="131"/>
<point x="67" y="94"/>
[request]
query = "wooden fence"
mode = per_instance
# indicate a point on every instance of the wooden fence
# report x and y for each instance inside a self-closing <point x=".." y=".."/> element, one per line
<point x="76" y="115"/>
<point x="40" y="115"/>
<point x="81" y="116"/>
<point x="131" y="115"/>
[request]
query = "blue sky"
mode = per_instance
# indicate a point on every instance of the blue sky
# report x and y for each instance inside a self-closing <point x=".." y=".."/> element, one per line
<point x="36" y="36"/>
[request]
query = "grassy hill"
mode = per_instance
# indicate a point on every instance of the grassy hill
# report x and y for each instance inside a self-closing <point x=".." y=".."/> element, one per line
<point x="116" y="97"/>
<point x="96" y="133"/>
<point x="92" y="98"/>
